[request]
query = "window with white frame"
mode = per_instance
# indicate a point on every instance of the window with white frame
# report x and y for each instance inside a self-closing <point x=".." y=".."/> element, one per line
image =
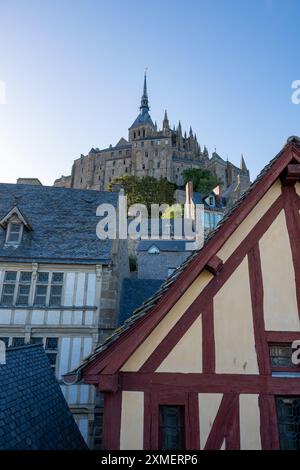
<point x="24" y="288"/>
<point x="48" y="289"/>
<point x="14" y="233"/>
<point x="17" y="286"/>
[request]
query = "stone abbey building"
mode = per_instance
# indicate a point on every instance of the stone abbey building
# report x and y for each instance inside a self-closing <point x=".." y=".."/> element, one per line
<point x="149" y="151"/>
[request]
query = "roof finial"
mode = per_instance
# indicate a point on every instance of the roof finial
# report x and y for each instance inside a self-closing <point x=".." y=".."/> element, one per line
<point x="144" y="101"/>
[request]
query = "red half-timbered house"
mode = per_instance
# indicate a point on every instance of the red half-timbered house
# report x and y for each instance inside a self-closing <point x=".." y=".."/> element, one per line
<point x="206" y="363"/>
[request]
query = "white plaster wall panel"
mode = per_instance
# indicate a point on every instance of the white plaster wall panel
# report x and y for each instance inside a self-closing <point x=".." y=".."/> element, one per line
<point x="38" y="317"/>
<point x="87" y="347"/>
<point x="66" y="317"/>
<point x="91" y="289"/>
<point x="64" y="356"/>
<point x="77" y="317"/>
<point x="84" y="393"/>
<point x="75" y="354"/>
<point x="69" y="289"/>
<point x="278" y="278"/>
<point x="83" y="428"/>
<point x="73" y="392"/>
<point x="80" y="289"/>
<point x="186" y="356"/>
<point x="5" y="317"/>
<point x="89" y="317"/>
<point x="132" y="421"/>
<point x="20" y="317"/>
<point x="53" y="317"/>
<point x="233" y="325"/>
<point x="250" y="422"/>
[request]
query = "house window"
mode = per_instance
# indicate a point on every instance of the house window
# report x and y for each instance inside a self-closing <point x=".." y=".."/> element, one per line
<point x="281" y="361"/>
<point x="46" y="287"/>
<point x="14" y="233"/>
<point x="8" y="290"/>
<point x="153" y="250"/>
<point x="288" y="418"/>
<point x="51" y="348"/>
<point x="5" y="340"/>
<point x="170" y="271"/>
<point x="56" y="289"/>
<point x="171" y="427"/>
<point x="24" y="288"/>
<point x="41" y="289"/>
<point x="281" y="355"/>
<point x="18" y="341"/>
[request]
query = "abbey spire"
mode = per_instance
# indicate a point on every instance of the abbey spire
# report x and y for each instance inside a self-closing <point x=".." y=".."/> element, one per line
<point x="144" y="100"/>
<point x="166" y="125"/>
<point x="243" y="164"/>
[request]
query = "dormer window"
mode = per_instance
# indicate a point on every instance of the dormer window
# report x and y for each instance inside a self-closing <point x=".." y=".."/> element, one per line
<point x="14" y="233"/>
<point x="14" y="224"/>
<point x="153" y="250"/>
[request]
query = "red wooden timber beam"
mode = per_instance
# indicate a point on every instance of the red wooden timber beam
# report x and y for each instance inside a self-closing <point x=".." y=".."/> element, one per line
<point x="208" y="340"/>
<point x="268" y="423"/>
<point x="209" y="383"/>
<point x="257" y="296"/>
<point x="291" y="208"/>
<point x="220" y="426"/>
<point x="291" y="174"/>
<point x="214" y="265"/>
<point x="112" y="420"/>
<point x="282" y="336"/>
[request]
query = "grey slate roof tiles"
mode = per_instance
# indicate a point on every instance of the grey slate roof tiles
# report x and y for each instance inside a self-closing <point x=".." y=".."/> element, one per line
<point x="134" y="293"/>
<point x="63" y="223"/>
<point x="33" y="412"/>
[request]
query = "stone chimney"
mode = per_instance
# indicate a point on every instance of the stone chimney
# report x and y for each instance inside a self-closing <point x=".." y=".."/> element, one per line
<point x="34" y="181"/>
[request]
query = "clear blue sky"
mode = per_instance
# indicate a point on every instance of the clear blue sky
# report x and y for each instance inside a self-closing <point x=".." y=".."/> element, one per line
<point x="74" y="68"/>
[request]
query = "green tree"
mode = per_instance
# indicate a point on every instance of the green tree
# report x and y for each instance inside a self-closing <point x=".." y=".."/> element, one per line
<point x="146" y="190"/>
<point x="203" y="180"/>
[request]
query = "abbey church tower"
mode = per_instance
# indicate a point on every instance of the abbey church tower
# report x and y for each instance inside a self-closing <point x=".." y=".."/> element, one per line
<point x="149" y="151"/>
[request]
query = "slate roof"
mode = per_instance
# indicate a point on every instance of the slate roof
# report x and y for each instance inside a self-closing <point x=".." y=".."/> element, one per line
<point x="63" y="223"/>
<point x="163" y="245"/>
<point x="33" y="412"/>
<point x="134" y="293"/>
<point x="142" y="119"/>
<point x="150" y="303"/>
